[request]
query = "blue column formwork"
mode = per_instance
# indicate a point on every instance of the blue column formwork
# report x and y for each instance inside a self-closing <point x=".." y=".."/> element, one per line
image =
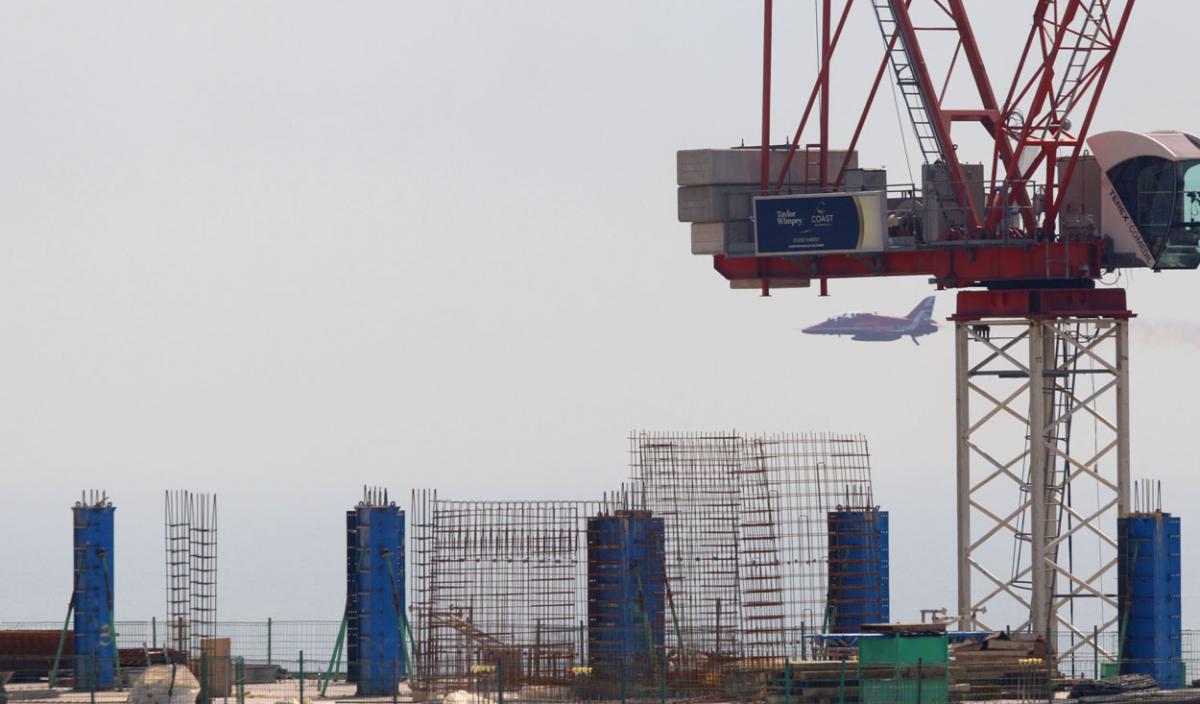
<point x="626" y="595"/>
<point x="1149" y="597"/>
<point x="859" y="581"/>
<point x="95" y="631"/>
<point x="352" y="595"/>
<point x="382" y="660"/>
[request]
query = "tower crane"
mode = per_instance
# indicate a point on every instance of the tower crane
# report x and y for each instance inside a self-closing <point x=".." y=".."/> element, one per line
<point x="1024" y="237"/>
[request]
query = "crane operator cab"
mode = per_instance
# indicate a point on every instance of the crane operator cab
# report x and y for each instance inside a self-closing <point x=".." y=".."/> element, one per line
<point x="1148" y="202"/>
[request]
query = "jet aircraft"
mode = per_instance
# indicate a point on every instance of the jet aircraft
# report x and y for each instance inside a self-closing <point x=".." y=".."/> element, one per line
<point x="868" y="327"/>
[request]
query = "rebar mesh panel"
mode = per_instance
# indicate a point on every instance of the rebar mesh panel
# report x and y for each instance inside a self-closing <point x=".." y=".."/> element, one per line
<point x="809" y="475"/>
<point x="691" y="481"/>
<point x="747" y="533"/>
<point x="179" y="570"/>
<point x="204" y="569"/>
<point x="498" y="582"/>
<point x="191" y="566"/>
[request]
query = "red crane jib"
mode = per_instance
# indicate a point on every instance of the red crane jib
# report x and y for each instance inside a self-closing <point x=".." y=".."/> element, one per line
<point x="949" y="267"/>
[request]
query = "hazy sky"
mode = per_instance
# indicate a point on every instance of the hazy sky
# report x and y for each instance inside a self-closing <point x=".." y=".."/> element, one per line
<point x="279" y="250"/>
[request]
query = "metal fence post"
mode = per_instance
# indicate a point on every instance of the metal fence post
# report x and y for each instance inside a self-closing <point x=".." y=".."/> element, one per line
<point x="203" y="677"/>
<point x="1051" y="647"/>
<point x="787" y="681"/>
<point x="1096" y="652"/>
<point x="920" y="677"/>
<point x="842" y="684"/>
<point x="269" y="640"/>
<point x="622" y="674"/>
<point x="662" y="692"/>
<point x="241" y="680"/>
<point x="500" y="680"/>
<point x="154" y="632"/>
<point x="1049" y="673"/>
<point x="301" y="676"/>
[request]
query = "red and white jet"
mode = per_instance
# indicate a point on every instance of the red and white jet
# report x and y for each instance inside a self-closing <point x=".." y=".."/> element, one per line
<point x="868" y="327"/>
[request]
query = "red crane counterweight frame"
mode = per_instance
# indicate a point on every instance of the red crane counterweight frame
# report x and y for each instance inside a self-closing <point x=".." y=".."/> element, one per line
<point x="1076" y="30"/>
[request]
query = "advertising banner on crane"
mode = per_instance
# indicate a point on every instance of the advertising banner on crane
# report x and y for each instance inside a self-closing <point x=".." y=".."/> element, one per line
<point x="819" y="223"/>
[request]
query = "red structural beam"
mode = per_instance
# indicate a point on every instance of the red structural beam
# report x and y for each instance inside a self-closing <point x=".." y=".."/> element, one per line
<point x="1044" y="77"/>
<point x="826" y="55"/>
<point x="952" y="266"/>
<point x="1054" y="207"/>
<point x="765" y="145"/>
<point x="862" y="118"/>
<point x="1035" y="304"/>
<point x="822" y="80"/>
<point x="939" y="122"/>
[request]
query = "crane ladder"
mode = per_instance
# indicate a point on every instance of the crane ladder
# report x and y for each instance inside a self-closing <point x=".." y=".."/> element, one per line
<point x="1081" y="55"/>
<point x="915" y="100"/>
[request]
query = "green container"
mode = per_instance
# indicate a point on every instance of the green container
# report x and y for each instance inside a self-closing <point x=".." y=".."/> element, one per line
<point x="903" y="650"/>
<point x="904" y="669"/>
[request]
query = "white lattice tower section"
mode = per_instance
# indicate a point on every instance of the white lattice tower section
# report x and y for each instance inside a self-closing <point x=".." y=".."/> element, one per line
<point x="1043" y="467"/>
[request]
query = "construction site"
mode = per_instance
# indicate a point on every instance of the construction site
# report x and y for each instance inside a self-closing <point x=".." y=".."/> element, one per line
<point x="727" y="567"/>
<point x="735" y="566"/>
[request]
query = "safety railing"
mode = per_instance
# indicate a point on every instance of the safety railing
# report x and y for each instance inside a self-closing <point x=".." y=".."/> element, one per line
<point x="263" y="661"/>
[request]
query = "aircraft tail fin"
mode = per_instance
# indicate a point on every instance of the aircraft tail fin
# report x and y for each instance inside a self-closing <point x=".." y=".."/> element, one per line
<point x="923" y="311"/>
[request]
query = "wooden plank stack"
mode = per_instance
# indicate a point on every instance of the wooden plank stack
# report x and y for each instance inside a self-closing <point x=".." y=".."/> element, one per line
<point x="1002" y="666"/>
